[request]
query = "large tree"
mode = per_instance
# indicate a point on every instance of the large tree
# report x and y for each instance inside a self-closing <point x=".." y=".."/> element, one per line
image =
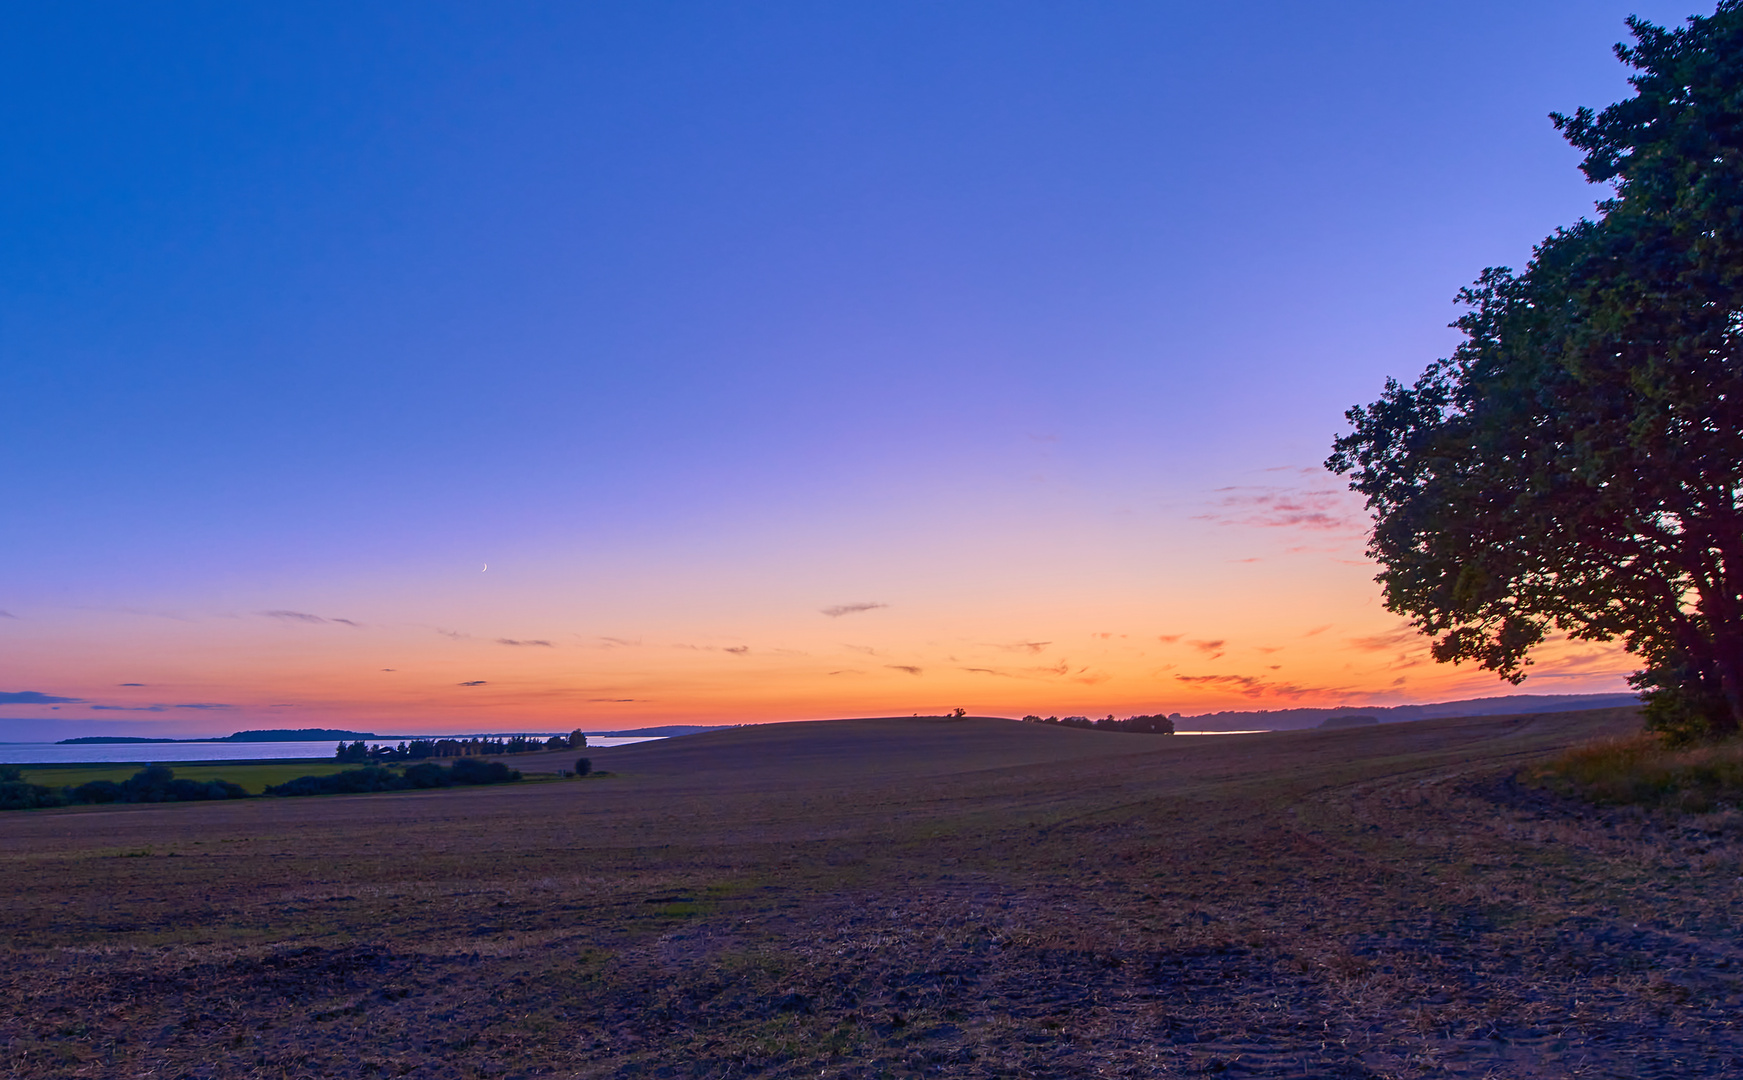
<point x="1575" y="465"/>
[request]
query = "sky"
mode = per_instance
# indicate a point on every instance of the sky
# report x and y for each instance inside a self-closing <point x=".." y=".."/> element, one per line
<point x="529" y="366"/>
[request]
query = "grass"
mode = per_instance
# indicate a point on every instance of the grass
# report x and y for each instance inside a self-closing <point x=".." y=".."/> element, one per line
<point x="1641" y="770"/>
<point x="896" y="898"/>
<point x="253" y="776"/>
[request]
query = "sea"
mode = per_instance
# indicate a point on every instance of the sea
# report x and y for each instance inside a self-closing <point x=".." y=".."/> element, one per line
<point x="149" y="753"/>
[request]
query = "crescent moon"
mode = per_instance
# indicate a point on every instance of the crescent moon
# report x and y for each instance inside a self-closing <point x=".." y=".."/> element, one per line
<point x="486" y="567"/>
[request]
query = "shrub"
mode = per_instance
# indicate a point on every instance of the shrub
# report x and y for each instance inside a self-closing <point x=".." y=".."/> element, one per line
<point x="473" y="771"/>
<point x="158" y="783"/>
<point x="425" y="774"/>
<point x="97" y="791"/>
<point x="19" y="795"/>
<point x="1646" y="770"/>
<point x="583" y="766"/>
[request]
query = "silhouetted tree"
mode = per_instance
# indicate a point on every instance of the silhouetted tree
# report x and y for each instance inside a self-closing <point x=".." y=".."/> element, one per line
<point x="1577" y="464"/>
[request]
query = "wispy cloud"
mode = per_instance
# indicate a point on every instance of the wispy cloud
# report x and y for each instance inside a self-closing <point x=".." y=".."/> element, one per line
<point x="909" y="668"/>
<point x="1025" y="646"/>
<point x="455" y="634"/>
<point x="475" y="682"/>
<point x="34" y="697"/>
<point x="1254" y="686"/>
<point x="1317" y="630"/>
<point x="1330" y="509"/>
<point x="203" y="705"/>
<point x="7" y="615"/>
<point x="736" y="650"/>
<point x="130" y="684"/>
<point x="610" y="700"/>
<point x="129" y="708"/>
<point x="989" y="671"/>
<point x="525" y="641"/>
<point x="305" y="617"/>
<point x="1169" y="639"/>
<point x="839" y="610"/>
<point x="1212" y="649"/>
<point x="1402" y="637"/>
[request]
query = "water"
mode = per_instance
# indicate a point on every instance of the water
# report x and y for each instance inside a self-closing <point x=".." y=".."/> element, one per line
<point x="57" y="754"/>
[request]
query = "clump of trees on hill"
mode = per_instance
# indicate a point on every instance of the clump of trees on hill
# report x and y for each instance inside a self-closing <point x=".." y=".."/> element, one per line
<point x="154" y="783"/>
<point x="478" y="746"/>
<point x="1147" y="725"/>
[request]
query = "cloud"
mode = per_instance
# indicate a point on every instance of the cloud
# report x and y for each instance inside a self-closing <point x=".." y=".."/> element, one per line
<point x="909" y="668"/>
<point x="847" y="671"/>
<point x="33" y="697"/>
<point x="528" y="641"/>
<point x="736" y="650"/>
<point x="1169" y="639"/>
<point x="617" y="642"/>
<point x="389" y="669"/>
<point x="128" y="708"/>
<point x="839" y="610"/>
<point x="7" y="615"/>
<point x="1269" y="649"/>
<point x="989" y="671"/>
<point x="294" y="616"/>
<point x="305" y="617"/>
<point x="1329" y="509"/>
<point x="610" y="700"/>
<point x="203" y="705"/>
<point x="1253" y="686"/>
<point x="1400" y="638"/>
<point x="1025" y="646"/>
<point x="1318" y="630"/>
<point x="130" y="684"/>
<point x="474" y="682"/>
<point x="455" y="634"/>
<point x="1212" y="649"/>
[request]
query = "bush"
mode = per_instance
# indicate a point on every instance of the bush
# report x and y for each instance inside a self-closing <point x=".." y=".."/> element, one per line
<point x="1646" y="770"/>
<point x="425" y="774"/>
<point x="158" y="783"/>
<point x="473" y="771"/>
<point x="583" y="766"/>
<point x="18" y="795"/>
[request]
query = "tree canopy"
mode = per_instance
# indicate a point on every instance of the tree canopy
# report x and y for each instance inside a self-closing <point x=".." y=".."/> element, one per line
<point x="1574" y="466"/>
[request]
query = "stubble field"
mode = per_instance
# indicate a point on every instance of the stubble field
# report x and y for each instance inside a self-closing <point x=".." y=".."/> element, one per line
<point x="895" y="898"/>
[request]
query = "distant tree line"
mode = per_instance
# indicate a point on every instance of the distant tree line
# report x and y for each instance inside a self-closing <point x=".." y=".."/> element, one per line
<point x="159" y="783"/>
<point x="152" y="784"/>
<point x="1147" y="725"/>
<point x="419" y="749"/>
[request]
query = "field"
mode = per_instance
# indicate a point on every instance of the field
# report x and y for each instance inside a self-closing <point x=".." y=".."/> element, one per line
<point x="253" y="776"/>
<point x="915" y="897"/>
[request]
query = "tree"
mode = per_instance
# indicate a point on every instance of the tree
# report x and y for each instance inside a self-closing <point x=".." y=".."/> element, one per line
<point x="1576" y="464"/>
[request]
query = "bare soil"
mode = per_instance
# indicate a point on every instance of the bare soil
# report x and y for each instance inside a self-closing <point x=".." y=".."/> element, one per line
<point x="967" y="898"/>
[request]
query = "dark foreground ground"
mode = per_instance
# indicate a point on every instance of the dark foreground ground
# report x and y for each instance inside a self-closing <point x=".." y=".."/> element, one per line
<point x="894" y="898"/>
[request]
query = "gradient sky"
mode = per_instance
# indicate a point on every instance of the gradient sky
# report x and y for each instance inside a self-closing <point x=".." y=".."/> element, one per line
<point x="779" y="360"/>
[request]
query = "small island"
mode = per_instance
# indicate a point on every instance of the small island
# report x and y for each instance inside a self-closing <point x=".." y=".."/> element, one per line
<point x="264" y="735"/>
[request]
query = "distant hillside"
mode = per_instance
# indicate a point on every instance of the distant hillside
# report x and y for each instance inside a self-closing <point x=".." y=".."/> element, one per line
<point x="311" y="734"/>
<point x="1289" y="719"/>
<point x="662" y="732"/>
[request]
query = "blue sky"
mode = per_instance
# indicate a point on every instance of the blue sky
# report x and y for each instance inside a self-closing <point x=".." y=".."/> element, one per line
<point x="701" y="318"/>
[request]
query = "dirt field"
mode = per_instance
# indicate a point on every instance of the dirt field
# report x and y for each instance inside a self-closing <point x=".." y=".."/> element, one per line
<point x="895" y="898"/>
